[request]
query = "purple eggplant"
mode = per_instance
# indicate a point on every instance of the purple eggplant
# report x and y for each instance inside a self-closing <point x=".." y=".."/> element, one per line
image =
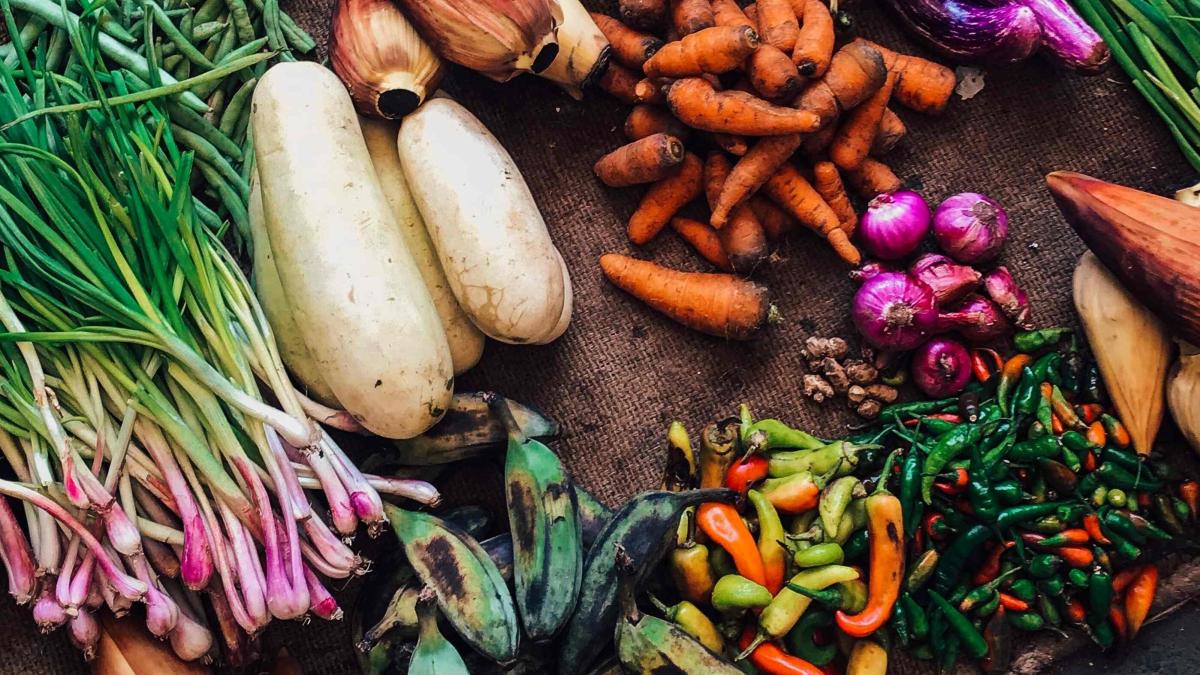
<point x="1068" y="37"/>
<point x="974" y="33"/>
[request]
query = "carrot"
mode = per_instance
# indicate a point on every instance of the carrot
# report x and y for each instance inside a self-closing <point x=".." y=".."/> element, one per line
<point x="891" y="130"/>
<point x="814" y="45"/>
<point x="856" y="135"/>
<point x="751" y="12"/>
<point x="716" y="50"/>
<point x="855" y="72"/>
<point x="921" y="84"/>
<point x="649" y="91"/>
<point x="815" y="145"/>
<point x="704" y="239"/>
<point x="873" y="178"/>
<point x="690" y="16"/>
<point x="790" y="190"/>
<point x="643" y="14"/>
<point x="718" y="304"/>
<point x="716" y="172"/>
<point x="646" y="120"/>
<point x="772" y="74"/>
<point x="732" y="143"/>
<point x="775" y="221"/>
<point x="630" y="48"/>
<point x="744" y="240"/>
<point x="728" y="13"/>
<point x="828" y="183"/>
<point x="664" y="199"/>
<point x="645" y="160"/>
<point x="751" y="171"/>
<point x="697" y="104"/>
<point x="620" y="82"/>
<point x="777" y="23"/>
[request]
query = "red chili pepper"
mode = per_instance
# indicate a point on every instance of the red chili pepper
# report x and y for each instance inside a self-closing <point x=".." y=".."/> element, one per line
<point x="1076" y="556"/>
<point x="772" y="660"/>
<point x="961" y="480"/>
<point x="1013" y="603"/>
<point x="1056" y="424"/>
<point x="1073" y="537"/>
<point x="1123" y="578"/>
<point x="723" y="524"/>
<point x="929" y="524"/>
<point x="746" y="472"/>
<point x="1091" y="523"/>
<point x="1143" y="499"/>
<point x="1096" y="435"/>
<point x="980" y="366"/>
<point x="1089" y="412"/>
<point x="1117" y="618"/>
<point x="944" y="417"/>
<point x="918" y="542"/>
<point x="990" y="568"/>
<point x="1189" y="492"/>
<point x="962" y="505"/>
<point x="1140" y="596"/>
<point x="1089" y="461"/>
<point x="1075" y="610"/>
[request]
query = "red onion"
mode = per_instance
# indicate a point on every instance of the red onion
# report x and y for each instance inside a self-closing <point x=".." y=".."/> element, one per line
<point x="941" y="367"/>
<point x="894" y="311"/>
<point x="894" y="224"/>
<point x="970" y="227"/>
<point x="977" y="319"/>
<point x="1004" y="292"/>
<point x="321" y="601"/>
<point x="948" y="280"/>
<point x="47" y="613"/>
<point x="85" y="634"/>
<point x="870" y="269"/>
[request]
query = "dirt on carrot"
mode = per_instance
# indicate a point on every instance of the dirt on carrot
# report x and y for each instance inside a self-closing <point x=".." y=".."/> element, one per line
<point x="690" y="16"/>
<point x="646" y="120"/>
<point x="649" y="91"/>
<point x="891" y="130"/>
<point x="642" y="14"/>
<point x="772" y="74"/>
<point x="789" y="189"/>
<point x="814" y="45"/>
<point x="854" y="138"/>
<point x="716" y="50"/>
<point x="873" y="178"/>
<point x="620" y="82"/>
<point x="751" y="171"/>
<point x="775" y="221"/>
<point x="732" y="143"/>
<point x="630" y="47"/>
<point x="703" y="238"/>
<point x="856" y="71"/>
<point x="664" y="199"/>
<point x="777" y="24"/>
<point x="696" y="103"/>
<point x="921" y="85"/>
<point x="645" y="160"/>
<point x="744" y="240"/>
<point x="729" y="13"/>
<point x="828" y="183"/>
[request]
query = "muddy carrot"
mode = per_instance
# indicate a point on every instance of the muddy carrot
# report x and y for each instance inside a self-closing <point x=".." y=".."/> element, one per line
<point x="772" y="74"/>
<point x="734" y="144"/>
<point x="790" y="190"/>
<point x="646" y="120"/>
<point x="690" y="16"/>
<point x="891" y="130"/>
<point x="703" y="238"/>
<point x="718" y="304"/>
<point x="742" y="237"/>
<point x="751" y="12"/>
<point x="665" y="198"/>
<point x="643" y="14"/>
<point x="777" y="24"/>
<point x="828" y="183"/>
<point x="716" y="50"/>
<point x="751" y="171"/>
<point x="630" y="47"/>
<point x="620" y="82"/>
<point x="697" y="104"/>
<point x="649" y="91"/>
<point x="854" y="138"/>
<point x="815" y="145"/>
<point x="646" y="160"/>
<point x="716" y="172"/>
<point x="856" y="71"/>
<point x="775" y="221"/>
<point x="873" y="178"/>
<point x="728" y="13"/>
<point x="921" y="84"/>
<point x="814" y="45"/>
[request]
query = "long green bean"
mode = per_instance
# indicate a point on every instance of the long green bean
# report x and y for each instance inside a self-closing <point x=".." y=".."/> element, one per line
<point x="176" y="36"/>
<point x="233" y="110"/>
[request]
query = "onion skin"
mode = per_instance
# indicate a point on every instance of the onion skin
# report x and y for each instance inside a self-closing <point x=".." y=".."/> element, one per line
<point x="1005" y="292"/>
<point x="1068" y="37"/>
<point x="948" y="280"/>
<point x="893" y="311"/>
<point x="870" y="269"/>
<point x="973" y="33"/>
<point x="941" y="367"/>
<point x="970" y="227"/>
<point x="977" y="319"/>
<point x="1150" y="243"/>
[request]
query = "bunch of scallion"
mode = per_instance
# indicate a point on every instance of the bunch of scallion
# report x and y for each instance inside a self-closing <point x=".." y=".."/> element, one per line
<point x="136" y="368"/>
<point x="1157" y="43"/>
<point x="160" y="42"/>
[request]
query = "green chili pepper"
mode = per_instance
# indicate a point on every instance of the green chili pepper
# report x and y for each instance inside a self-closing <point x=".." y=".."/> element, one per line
<point x="899" y="624"/>
<point x="1087" y="485"/>
<point x="1164" y="510"/>
<point x="972" y="639"/>
<point x="829" y="553"/>
<point x="910" y="490"/>
<point x="1076" y="441"/>
<point x="786" y="608"/>
<point x="950" y="568"/>
<point x="1046" y="368"/>
<point x="799" y="640"/>
<point x="1036" y="431"/>
<point x="1077" y="577"/>
<point x="1182" y="510"/>
<point x="948" y="447"/>
<point x="734" y="592"/>
<point x="918" y="620"/>
<point x="856" y="545"/>
<point x="985" y="592"/>
<point x="773" y="435"/>
<point x="1024" y="513"/>
<point x="921" y="570"/>
<point x="721" y="562"/>
<point x="1117" y="498"/>
<point x="1071" y="514"/>
<point x="1030" y="621"/>
<point x="1100" y="592"/>
<point x="1008" y="492"/>
<point x="1126" y="459"/>
<point x="914" y="408"/>
<point x="1027" y="394"/>
<point x="1023" y="589"/>
<point x="936" y="427"/>
<point x="1071" y="369"/>
<point x="1028" y="452"/>
<point x="1045" y="414"/>
<point x="1070" y="459"/>
<point x="989" y="607"/>
<point x="1053" y="586"/>
<point x="1048" y="525"/>
<point x="1121" y="545"/>
<point x="834" y="499"/>
<point x="1104" y="635"/>
<point x="1043" y="566"/>
<point x="1048" y="611"/>
<point x="1032" y="340"/>
<point x="1091" y="384"/>
<point x="1148" y="528"/>
<point x="1115" y="476"/>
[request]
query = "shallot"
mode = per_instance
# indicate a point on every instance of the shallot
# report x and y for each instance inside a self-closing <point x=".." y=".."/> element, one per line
<point x="977" y="319"/>
<point x="1003" y="290"/>
<point x="948" y="280"/>
<point x="941" y="367"/>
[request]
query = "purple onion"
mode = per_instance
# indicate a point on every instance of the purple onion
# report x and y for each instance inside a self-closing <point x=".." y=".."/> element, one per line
<point x="1004" y="292"/>
<point x="47" y="613"/>
<point x="991" y="34"/>
<point x="941" y="367"/>
<point x="1068" y="37"/>
<point x="870" y="269"/>
<point x="977" y="319"/>
<point x="948" y="280"/>
<point x="894" y="224"/>
<point x="18" y="556"/>
<point x="190" y="640"/>
<point x="970" y="227"/>
<point x="894" y="311"/>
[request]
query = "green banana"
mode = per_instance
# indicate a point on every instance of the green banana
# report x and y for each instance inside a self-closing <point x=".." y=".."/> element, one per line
<point x="645" y="527"/>
<point x="470" y="590"/>
<point x="593" y="515"/>
<point x="543" y="521"/>
<point x="469" y="429"/>
<point x="648" y="644"/>
<point x="433" y="655"/>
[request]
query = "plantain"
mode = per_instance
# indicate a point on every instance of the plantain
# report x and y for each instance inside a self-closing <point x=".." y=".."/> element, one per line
<point x="648" y="644"/>
<point x="470" y="590"/>
<point x="593" y="515"/>
<point x="544" y="523"/>
<point x="469" y="429"/>
<point x="433" y="655"/>
<point x="645" y="528"/>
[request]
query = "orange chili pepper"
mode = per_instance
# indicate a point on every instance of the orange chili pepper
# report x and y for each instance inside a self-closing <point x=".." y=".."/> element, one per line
<point x="1089" y="461"/>
<point x="1117" y="619"/>
<point x="723" y="525"/>
<point x="1091" y="523"/>
<point x="990" y="568"/>
<point x="772" y="660"/>
<point x="1012" y="603"/>
<point x="1140" y="596"/>
<point x="1096" y="435"/>
<point x="980" y="366"/>
<point x="1117" y="430"/>
<point x="1075" y="610"/>
<point x="1056" y="424"/>
<point x="1189" y="492"/>
<point x="885" y="532"/>
<point x="746" y="472"/>
<point x="1090" y="412"/>
<point x="792" y="494"/>
<point x="1072" y="537"/>
<point x="1076" y="556"/>
<point x="1123" y="578"/>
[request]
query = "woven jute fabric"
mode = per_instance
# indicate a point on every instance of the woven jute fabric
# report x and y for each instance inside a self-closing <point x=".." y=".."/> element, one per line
<point x="621" y="373"/>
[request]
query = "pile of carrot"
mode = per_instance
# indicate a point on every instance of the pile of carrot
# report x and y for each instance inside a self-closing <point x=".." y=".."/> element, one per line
<point x="760" y="113"/>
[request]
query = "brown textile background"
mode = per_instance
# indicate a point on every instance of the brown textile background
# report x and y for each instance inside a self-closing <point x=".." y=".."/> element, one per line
<point x="622" y="372"/>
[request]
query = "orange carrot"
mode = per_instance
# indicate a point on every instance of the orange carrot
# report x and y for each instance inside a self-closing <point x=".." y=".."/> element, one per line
<point x="751" y="171"/>
<point x="816" y="145"/>
<point x="665" y="198"/>
<point x="643" y="14"/>
<point x="718" y="304"/>
<point x="873" y="178"/>
<point x="728" y="13"/>
<point x="649" y="91"/>
<point x="772" y="73"/>
<point x="646" y="120"/>
<point x="775" y="221"/>
<point x="716" y="172"/>
<point x="921" y="84"/>
<point x="630" y="48"/>
<point x="744" y="240"/>
<point x="828" y="184"/>
<point x="814" y="46"/>
<point x="790" y="190"/>
<point x="732" y="143"/>
<point x="704" y="239"/>
<point x="891" y="130"/>
<point x="620" y="82"/>
<point x="855" y="72"/>
<point x="716" y="50"/>
<point x="697" y="104"/>
<point x="856" y="135"/>
<point x="690" y="16"/>
<point x="646" y="160"/>
<point x="777" y="23"/>
<point x="751" y="12"/>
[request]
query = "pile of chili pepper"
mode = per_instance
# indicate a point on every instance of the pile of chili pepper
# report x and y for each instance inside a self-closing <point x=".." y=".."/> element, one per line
<point x="947" y="528"/>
